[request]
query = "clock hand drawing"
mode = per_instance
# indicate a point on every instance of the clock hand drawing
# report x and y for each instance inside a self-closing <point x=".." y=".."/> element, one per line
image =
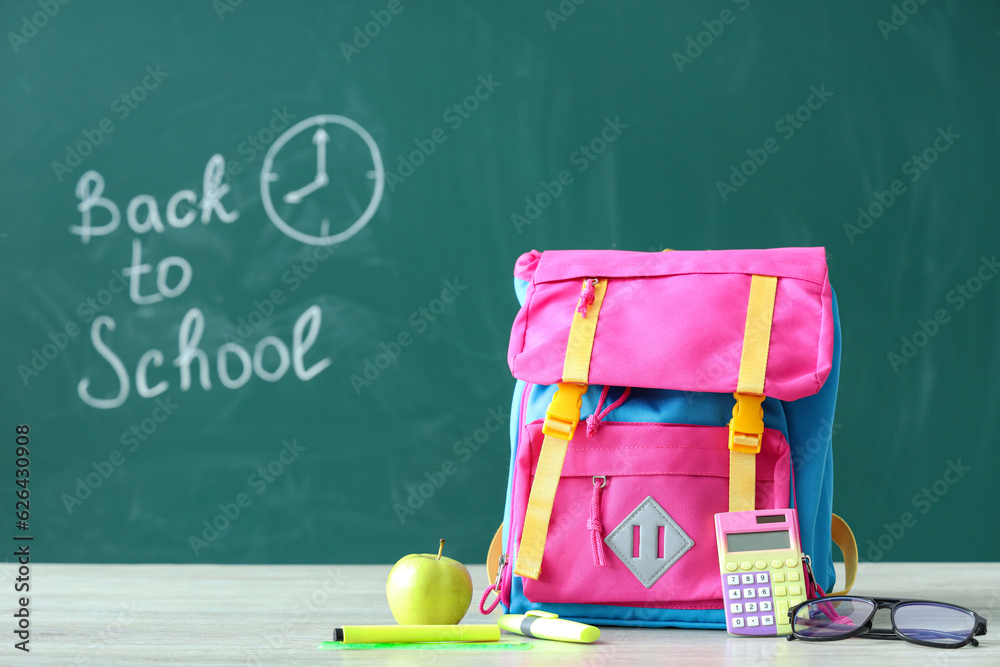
<point x="342" y="196"/>
<point x="320" y="139"/>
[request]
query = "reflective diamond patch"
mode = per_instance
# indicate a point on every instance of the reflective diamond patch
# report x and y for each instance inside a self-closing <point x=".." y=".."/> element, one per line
<point x="654" y="525"/>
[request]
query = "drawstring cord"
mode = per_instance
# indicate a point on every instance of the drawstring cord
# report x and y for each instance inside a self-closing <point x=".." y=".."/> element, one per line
<point x="600" y="481"/>
<point x="594" y="420"/>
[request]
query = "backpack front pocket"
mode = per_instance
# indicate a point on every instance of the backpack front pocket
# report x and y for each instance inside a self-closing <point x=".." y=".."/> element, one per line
<point x="633" y="518"/>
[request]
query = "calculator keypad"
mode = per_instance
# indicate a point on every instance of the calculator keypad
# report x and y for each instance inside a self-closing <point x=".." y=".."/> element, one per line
<point x="758" y="599"/>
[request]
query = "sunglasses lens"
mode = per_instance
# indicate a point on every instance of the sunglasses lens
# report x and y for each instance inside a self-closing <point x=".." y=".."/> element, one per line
<point x="831" y="617"/>
<point x="935" y="623"/>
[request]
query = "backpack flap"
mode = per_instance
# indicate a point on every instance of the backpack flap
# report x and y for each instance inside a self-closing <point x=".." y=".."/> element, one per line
<point x="676" y="320"/>
<point x="751" y="323"/>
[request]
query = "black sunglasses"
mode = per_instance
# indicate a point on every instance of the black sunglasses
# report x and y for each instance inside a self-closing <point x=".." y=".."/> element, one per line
<point x="918" y="621"/>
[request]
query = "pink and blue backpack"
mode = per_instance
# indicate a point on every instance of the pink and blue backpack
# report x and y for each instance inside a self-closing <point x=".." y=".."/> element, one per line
<point x="653" y="391"/>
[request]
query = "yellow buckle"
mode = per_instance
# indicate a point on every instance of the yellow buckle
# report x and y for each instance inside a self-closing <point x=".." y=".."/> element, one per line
<point x="563" y="413"/>
<point x="746" y="428"/>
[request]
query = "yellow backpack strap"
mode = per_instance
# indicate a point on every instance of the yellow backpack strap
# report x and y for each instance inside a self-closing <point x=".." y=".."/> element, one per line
<point x="844" y="538"/>
<point x="561" y="418"/>
<point x="493" y="556"/>
<point x="746" y="429"/>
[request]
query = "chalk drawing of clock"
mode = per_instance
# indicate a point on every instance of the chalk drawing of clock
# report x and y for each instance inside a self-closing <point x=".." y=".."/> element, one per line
<point x="314" y="200"/>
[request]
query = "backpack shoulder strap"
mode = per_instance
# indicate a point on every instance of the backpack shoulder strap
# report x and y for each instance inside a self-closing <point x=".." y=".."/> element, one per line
<point x="844" y="538"/>
<point x="493" y="556"/>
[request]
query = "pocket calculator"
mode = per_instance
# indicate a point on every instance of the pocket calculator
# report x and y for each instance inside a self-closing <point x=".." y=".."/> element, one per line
<point x="761" y="565"/>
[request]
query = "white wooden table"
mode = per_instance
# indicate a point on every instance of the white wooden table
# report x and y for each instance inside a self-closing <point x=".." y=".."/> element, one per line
<point x="278" y="615"/>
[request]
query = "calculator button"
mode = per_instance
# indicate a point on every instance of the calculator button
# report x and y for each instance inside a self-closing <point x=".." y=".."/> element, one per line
<point x="791" y="562"/>
<point x="753" y="621"/>
<point x="779" y="591"/>
<point x="730" y="566"/>
<point x="733" y="579"/>
<point x="746" y="565"/>
<point x="793" y="575"/>
<point x="795" y="590"/>
<point x="762" y="577"/>
<point x="734" y="594"/>
<point x="747" y="578"/>
<point x="778" y="576"/>
<point x="751" y="607"/>
<point x="749" y="593"/>
<point x="760" y="565"/>
<point x="735" y="608"/>
<point x="764" y="592"/>
<point x="767" y="619"/>
<point x="782" y="610"/>
<point x="776" y="562"/>
<point x="738" y="622"/>
<point x="765" y="605"/>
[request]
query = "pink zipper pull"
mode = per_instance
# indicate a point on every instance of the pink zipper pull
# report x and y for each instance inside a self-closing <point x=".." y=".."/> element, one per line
<point x="815" y="591"/>
<point x="494" y="588"/>
<point x="594" y="523"/>
<point x="586" y="296"/>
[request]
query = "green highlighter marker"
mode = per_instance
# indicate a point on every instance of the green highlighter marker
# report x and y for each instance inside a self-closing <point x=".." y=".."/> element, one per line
<point x="409" y="634"/>
<point x="546" y="625"/>
<point x="430" y="646"/>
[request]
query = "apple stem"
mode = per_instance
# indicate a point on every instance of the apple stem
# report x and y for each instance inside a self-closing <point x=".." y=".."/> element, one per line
<point x="440" y="549"/>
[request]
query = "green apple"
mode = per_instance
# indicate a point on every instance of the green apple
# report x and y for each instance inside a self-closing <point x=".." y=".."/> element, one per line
<point x="426" y="589"/>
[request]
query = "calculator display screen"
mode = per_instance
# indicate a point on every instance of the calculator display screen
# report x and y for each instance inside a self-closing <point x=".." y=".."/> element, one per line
<point x="763" y="541"/>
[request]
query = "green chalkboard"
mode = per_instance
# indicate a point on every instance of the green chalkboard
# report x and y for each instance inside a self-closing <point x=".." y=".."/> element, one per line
<point x="329" y="197"/>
